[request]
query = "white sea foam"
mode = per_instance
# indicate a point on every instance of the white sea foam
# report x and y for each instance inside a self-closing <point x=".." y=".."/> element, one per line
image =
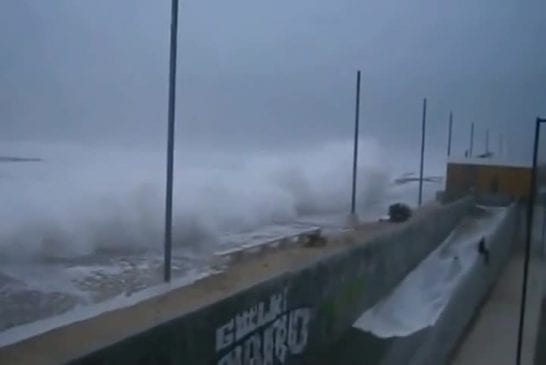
<point x="81" y="199"/>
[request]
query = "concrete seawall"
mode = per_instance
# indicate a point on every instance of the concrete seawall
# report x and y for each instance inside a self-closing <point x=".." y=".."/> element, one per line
<point x="434" y="344"/>
<point x="469" y="296"/>
<point x="289" y="317"/>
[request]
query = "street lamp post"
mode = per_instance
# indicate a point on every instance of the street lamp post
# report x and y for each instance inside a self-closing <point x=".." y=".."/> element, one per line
<point x="170" y="143"/>
<point x="422" y="165"/>
<point x="355" y="145"/>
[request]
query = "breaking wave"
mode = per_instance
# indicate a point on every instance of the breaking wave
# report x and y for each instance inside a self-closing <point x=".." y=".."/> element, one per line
<point x="81" y="199"/>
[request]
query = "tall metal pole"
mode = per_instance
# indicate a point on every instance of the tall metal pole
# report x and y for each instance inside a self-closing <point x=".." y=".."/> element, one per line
<point x="530" y="211"/>
<point x="355" y="149"/>
<point x="170" y="143"/>
<point x="421" y="170"/>
<point x="450" y="132"/>
<point x="471" y="149"/>
<point x="487" y="141"/>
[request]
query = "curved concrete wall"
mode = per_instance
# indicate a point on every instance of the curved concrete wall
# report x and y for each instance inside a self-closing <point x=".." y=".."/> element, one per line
<point x="293" y="317"/>
<point x="433" y="345"/>
<point x="468" y="297"/>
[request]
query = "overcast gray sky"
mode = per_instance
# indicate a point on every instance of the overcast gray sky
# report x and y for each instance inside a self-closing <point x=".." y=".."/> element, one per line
<point x="282" y="72"/>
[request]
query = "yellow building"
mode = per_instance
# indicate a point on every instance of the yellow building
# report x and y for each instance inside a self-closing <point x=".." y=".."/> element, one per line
<point x="485" y="176"/>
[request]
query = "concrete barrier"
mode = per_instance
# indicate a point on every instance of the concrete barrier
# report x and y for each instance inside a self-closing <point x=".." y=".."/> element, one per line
<point x="290" y="318"/>
<point x="434" y="345"/>
<point x="246" y="251"/>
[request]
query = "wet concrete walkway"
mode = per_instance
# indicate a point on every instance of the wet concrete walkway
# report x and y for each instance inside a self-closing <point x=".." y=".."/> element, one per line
<point x="492" y="339"/>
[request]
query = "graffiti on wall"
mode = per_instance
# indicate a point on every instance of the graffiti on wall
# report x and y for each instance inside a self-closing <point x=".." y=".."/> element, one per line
<point x="267" y="333"/>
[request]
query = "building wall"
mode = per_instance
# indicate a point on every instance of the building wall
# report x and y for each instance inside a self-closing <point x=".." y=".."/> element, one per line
<point x="487" y="179"/>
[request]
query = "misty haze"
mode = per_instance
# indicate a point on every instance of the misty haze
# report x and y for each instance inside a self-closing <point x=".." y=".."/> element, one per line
<point x="265" y="116"/>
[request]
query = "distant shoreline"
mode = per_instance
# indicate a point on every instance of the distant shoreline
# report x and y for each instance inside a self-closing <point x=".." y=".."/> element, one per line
<point x="20" y="159"/>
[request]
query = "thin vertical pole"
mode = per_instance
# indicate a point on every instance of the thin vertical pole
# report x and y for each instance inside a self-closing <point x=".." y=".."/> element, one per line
<point x="355" y="149"/>
<point x="501" y="144"/>
<point x="449" y="135"/>
<point x="170" y="143"/>
<point x="487" y="141"/>
<point x="421" y="170"/>
<point x="471" y="149"/>
<point x="530" y="211"/>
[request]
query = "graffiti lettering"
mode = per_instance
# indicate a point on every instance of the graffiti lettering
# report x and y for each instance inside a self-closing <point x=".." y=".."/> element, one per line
<point x="264" y="334"/>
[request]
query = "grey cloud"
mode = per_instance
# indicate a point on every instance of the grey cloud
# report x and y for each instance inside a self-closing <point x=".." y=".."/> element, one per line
<point x="270" y="73"/>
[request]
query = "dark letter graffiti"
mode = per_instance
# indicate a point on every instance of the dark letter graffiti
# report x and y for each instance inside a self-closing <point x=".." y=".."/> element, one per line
<point x="264" y="334"/>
